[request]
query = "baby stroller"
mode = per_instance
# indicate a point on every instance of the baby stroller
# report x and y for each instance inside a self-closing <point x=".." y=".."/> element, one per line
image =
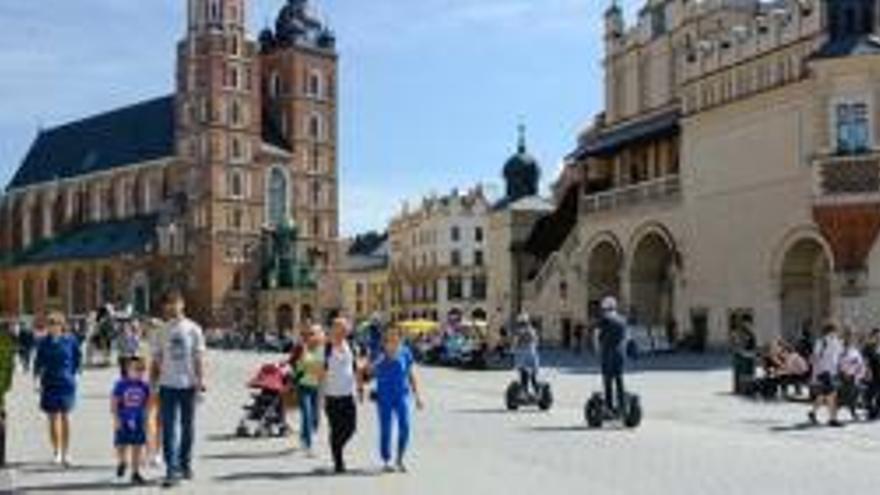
<point x="265" y="415"/>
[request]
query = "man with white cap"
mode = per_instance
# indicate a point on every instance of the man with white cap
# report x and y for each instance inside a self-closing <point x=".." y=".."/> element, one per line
<point x="526" y="353"/>
<point x="612" y="348"/>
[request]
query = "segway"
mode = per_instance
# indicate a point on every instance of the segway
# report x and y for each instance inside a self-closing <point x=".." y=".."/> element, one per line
<point x="516" y="397"/>
<point x="596" y="411"/>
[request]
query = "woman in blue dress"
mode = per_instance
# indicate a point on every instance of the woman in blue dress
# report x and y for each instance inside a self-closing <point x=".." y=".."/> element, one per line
<point x="56" y="366"/>
<point x="396" y="385"/>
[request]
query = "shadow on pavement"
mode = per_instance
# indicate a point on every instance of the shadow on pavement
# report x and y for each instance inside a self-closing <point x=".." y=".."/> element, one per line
<point x="224" y="437"/>
<point x="250" y="455"/>
<point x="85" y="487"/>
<point x="42" y="468"/>
<point x="283" y="476"/>
<point x="498" y="410"/>
<point x="587" y="364"/>
<point x="793" y="428"/>
<point x="576" y="429"/>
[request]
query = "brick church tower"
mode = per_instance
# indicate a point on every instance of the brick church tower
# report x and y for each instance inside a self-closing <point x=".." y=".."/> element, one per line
<point x="256" y="141"/>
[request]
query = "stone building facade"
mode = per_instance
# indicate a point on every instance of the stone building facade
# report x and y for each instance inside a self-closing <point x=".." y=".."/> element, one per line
<point x="438" y="265"/>
<point x="186" y="189"/>
<point x="732" y="176"/>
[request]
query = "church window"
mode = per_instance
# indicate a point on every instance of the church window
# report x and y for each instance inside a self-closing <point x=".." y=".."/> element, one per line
<point x="235" y="113"/>
<point x="316" y="193"/>
<point x="852" y="127"/>
<point x="314" y="85"/>
<point x="235" y="184"/>
<point x="316" y="127"/>
<point x="275" y="85"/>
<point x="278" y="196"/>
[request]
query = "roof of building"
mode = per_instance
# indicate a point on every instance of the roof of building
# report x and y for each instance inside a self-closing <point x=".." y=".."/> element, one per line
<point x="129" y="135"/>
<point x="551" y="230"/>
<point x="99" y="240"/>
<point x="375" y="258"/>
<point x="867" y="44"/>
<point x="367" y="244"/>
<point x="604" y="143"/>
<point x="529" y="203"/>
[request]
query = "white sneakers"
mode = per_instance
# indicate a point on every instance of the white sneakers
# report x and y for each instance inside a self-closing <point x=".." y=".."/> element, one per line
<point x="62" y="459"/>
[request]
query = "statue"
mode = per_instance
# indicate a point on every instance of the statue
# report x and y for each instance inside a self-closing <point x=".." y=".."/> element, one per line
<point x="281" y="266"/>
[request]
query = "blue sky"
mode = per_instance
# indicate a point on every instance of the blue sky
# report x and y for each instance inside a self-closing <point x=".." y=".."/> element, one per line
<point x="431" y="90"/>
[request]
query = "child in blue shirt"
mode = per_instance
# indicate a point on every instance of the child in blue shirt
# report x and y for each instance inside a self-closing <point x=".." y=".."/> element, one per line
<point x="131" y="396"/>
<point x="395" y="384"/>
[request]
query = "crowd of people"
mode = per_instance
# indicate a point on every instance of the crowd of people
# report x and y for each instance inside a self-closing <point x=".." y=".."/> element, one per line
<point x="162" y="379"/>
<point x="839" y="370"/>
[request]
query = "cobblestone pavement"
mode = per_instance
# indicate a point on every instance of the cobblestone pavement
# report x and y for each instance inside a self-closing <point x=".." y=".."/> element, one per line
<point x="696" y="439"/>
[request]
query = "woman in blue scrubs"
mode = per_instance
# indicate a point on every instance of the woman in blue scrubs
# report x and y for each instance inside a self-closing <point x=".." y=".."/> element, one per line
<point x="396" y="384"/>
<point x="56" y="366"/>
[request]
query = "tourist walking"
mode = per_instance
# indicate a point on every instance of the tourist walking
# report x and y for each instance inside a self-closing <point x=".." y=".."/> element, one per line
<point x="341" y="381"/>
<point x="871" y="353"/>
<point x="826" y="367"/>
<point x="309" y="373"/>
<point x="852" y="373"/>
<point x="612" y="353"/>
<point x="178" y="369"/>
<point x="396" y="385"/>
<point x="128" y="344"/>
<point x="56" y="366"/>
<point x="26" y="344"/>
<point x="7" y="371"/>
<point x="129" y="403"/>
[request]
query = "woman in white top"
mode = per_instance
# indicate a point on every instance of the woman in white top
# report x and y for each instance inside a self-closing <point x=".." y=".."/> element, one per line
<point x="826" y="368"/>
<point x="341" y="381"/>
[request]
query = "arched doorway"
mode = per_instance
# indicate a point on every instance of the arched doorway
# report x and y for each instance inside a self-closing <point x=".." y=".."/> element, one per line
<point x="27" y="295"/>
<point x="284" y="319"/>
<point x="79" y="292"/>
<point x="805" y="287"/>
<point x="107" y="289"/>
<point x="305" y="314"/>
<point x="653" y="281"/>
<point x="604" y="263"/>
<point x="140" y="293"/>
<point x="479" y="314"/>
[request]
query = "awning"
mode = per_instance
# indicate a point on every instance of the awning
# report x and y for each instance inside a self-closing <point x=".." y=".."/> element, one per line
<point x="95" y="241"/>
<point x="608" y="142"/>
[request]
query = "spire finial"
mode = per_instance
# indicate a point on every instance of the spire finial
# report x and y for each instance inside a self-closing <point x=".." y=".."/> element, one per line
<point x="521" y="129"/>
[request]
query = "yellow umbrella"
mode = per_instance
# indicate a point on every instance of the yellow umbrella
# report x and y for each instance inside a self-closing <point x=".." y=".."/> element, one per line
<point x="418" y="327"/>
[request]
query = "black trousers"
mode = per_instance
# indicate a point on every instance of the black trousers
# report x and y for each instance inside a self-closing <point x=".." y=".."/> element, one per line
<point x="613" y="382"/>
<point x="528" y="377"/>
<point x="342" y="421"/>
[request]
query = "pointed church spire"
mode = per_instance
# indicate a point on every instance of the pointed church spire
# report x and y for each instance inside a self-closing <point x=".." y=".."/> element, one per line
<point x="521" y="142"/>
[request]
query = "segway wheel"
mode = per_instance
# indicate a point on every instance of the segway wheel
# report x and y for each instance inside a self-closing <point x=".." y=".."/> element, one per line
<point x="512" y="396"/>
<point x="545" y="397"/>
<point x="594" y="412"/>
<point x="633" y="416"/>
<point x="242" y="431"/>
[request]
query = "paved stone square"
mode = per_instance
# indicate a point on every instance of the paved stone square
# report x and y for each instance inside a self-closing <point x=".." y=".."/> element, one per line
<point x="696" y="439"/>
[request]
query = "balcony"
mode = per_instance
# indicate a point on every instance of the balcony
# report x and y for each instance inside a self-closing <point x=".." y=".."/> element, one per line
<point x="847" y="178"/>
<point x="652" y="191"/>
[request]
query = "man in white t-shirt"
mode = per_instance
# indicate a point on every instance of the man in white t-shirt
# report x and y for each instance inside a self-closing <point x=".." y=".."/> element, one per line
<point x="178" y="371"/>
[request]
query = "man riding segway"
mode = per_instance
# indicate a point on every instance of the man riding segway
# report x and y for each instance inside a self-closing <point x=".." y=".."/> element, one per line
<point x="615" y="403"/>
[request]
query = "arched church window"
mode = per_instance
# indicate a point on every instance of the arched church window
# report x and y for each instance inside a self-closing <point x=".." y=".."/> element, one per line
<point x="275" y="85"/>
<point x="53" y="286"/>
<point x="278" y="196"/>
<point x="315" y="127"/>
